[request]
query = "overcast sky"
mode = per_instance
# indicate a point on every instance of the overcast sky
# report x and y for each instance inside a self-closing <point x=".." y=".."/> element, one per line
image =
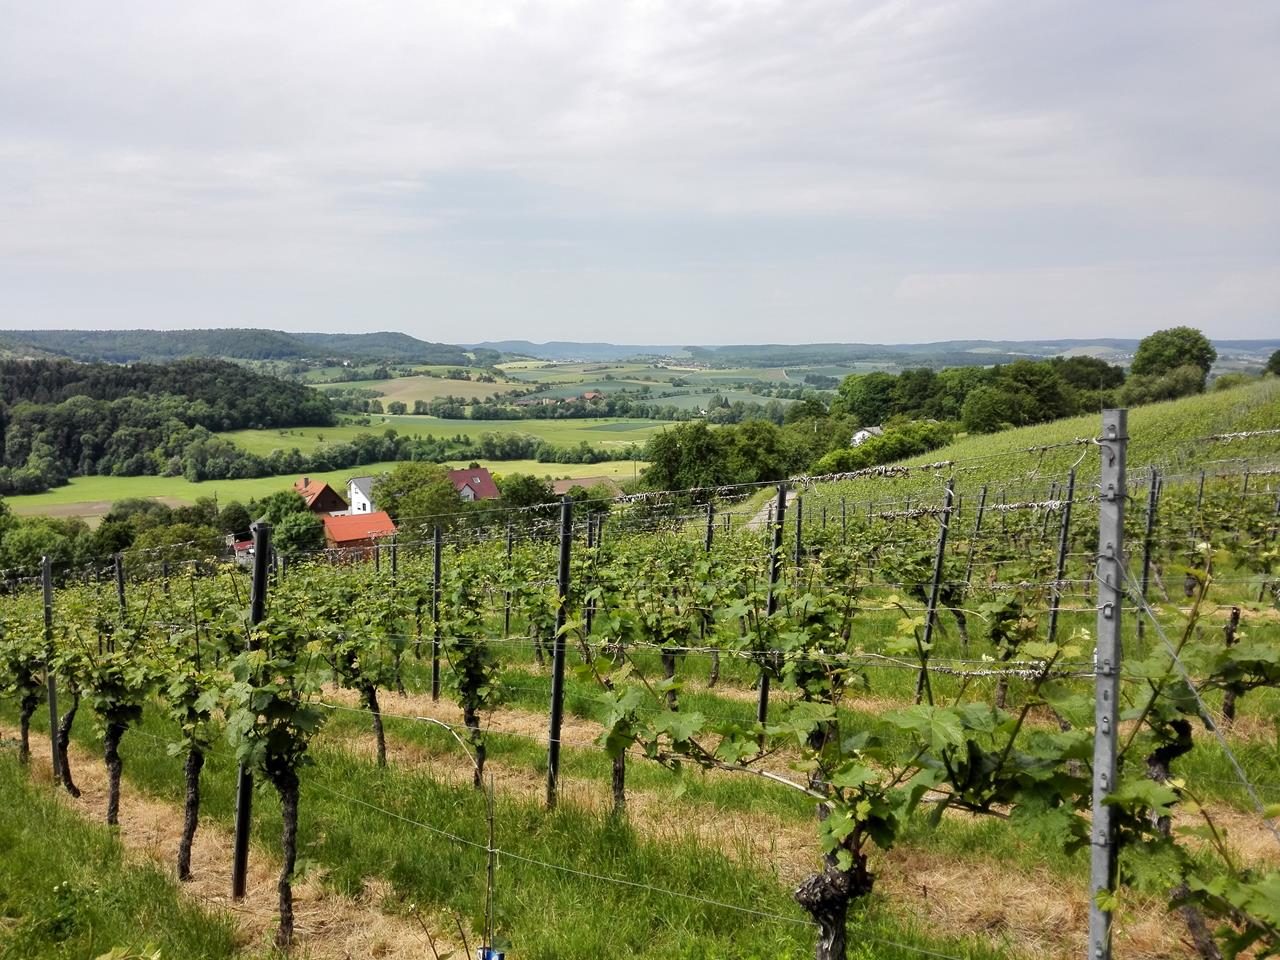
<point x="684" y="171"/>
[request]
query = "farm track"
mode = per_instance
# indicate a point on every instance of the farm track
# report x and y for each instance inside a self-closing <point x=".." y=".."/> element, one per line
<point x="328" y="925"/>
<point x="1034" y="912"/>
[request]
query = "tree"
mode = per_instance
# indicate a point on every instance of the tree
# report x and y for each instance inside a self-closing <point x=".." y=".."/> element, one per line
<point x="1166" y="350"/>
<point x="396" y="408"/>
<point x="234" y="518"/>
<point x="986" y="410"/>
<point x="418" y="489"/>
<point x="1273" y="365"/>
<point x="525" y="490"/>
<point x="868" y="398"/>
<point x="298" y="533"/>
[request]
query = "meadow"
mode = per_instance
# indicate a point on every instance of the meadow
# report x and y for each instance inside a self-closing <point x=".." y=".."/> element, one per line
<point x="92" y="497"/>
<point x="601" y="432"/>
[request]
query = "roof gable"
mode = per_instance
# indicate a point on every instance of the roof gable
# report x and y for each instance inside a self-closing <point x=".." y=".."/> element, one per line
<point x="478" y="479"/>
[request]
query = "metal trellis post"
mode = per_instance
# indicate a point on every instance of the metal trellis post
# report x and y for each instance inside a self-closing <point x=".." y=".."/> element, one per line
<point x="1102" y="872"/>
<point x="1153" y="491"/>
<point x="775" y="569"/>
<point x="1064" y="540"/>
<point x="244" y="782"/>
<point x="557" y="653"/>
<point x="931" y="614"/>
<point x="435" y="614"/>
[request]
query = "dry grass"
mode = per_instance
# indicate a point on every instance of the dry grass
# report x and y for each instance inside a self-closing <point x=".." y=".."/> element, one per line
<point x="1033" y="913"/>
<point x="328" y="926"/>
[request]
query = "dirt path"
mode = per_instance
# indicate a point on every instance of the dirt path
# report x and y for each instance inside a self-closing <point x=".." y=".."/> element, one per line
<point x="328" y="926"/>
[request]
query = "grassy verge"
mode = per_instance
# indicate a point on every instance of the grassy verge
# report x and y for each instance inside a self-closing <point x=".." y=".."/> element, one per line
<point x="666" y="908"/>
<point x="66" y="891"/>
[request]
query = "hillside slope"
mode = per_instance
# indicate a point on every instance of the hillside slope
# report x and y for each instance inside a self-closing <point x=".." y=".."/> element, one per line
<point x="1167" y="435"/>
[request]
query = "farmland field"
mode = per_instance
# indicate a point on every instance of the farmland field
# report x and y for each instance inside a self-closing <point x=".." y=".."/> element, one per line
<point x="93" y="496"/>
<point x="602" y="432"/>
<point x="409" y="389"/>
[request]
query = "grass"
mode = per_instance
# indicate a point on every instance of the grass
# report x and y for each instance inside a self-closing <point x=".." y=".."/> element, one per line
<point x="93" y="496"/>
<point x="1163" y="434"/>
<point x="67" y="892"/>
<point x="409" y="389"/>
<point x="604" y="432"/>
<point x="548" y="913"/>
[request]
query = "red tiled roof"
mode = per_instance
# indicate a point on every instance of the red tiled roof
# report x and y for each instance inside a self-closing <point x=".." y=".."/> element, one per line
<point x="478" y="479"/>
<point x="356" y="527"/>
<point x="313" y="490"/>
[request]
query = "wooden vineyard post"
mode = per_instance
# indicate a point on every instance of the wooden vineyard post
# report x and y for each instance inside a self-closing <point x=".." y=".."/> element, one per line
<point x="931" y="613"/>
<point x="435" y="615"/>
<point x="799" y="551"/>
<point x="1111" y="489"/>
<point x="50" y="680"/>
<point x="711" y="526"/>
<point x="1200" y="493"/>
<point x="395" y="559"/>
<point x="557" y="653"/>
<point x="1064" y="540"/>
<point x="771" y="605"/>
<point x="244" y="782"/>
<point x="506" y="600"/>
<point x="844" y="524"/>
<point x="120" y="598"/>
<point x="1153" y="492"/>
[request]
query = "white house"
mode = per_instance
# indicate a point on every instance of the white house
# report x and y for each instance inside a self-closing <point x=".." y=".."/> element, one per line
<point x="865" y="434"/>
<point x="360" y="494"/>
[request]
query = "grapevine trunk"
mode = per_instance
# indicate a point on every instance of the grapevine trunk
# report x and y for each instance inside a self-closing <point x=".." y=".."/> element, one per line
<point x="190" y="811"/>
<point x="620" y="785"/>
<point x="111" y="754"/>
<point x="370" y="693"/>
<point x="24" y="731"/>
<point x="64" y="741"/>
<point x="287" y="787"/>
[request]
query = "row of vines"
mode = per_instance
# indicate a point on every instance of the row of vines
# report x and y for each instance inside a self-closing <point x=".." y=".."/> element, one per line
<point x="977" y="650"/>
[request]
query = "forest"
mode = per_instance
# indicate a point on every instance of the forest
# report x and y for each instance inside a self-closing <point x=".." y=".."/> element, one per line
<point x="60" y="419"/>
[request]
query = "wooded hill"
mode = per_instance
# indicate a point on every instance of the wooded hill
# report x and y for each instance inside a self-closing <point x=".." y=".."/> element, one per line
<point x="130" y="346"/>
<point x="59" y="418"/>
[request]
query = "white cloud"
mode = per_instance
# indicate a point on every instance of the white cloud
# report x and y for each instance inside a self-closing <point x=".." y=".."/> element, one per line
<point x="915" y="165"/>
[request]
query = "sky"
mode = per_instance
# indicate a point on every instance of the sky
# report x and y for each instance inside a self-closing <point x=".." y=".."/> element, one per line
<point x="643" y="172"/>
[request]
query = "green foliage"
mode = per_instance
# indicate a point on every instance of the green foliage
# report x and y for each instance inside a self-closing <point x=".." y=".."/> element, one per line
<point x="419" y="490"/>
<point x="1166" y="350"/>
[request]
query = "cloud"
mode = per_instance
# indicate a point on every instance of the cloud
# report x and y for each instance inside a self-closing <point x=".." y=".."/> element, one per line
<point x="711" y="170"/>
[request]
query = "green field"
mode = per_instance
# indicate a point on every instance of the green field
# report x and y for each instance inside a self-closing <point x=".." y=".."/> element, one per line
<point x="92" y="496"/>
<point x="409" y="389"/>
<point x="598" y="432"/>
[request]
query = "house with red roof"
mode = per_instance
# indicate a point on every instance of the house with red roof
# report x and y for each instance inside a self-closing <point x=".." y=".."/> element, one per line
<point x="357" y="531"/>
<point x="320" y="497"/>
<point x="475" y="483"/>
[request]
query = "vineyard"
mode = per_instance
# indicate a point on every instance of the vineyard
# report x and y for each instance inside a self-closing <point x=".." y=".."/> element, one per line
<point x="1013" y="704"/>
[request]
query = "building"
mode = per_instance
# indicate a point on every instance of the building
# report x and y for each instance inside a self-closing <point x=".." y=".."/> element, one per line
<point x="865" y="434"/>
<point x="475" y="483"/>
<point x="357" y="531"/>
<point x="561" y="487"/>
<point x="593" y="395"/>
<point x="360" y="494"/>
<point x="320" y="497"/>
